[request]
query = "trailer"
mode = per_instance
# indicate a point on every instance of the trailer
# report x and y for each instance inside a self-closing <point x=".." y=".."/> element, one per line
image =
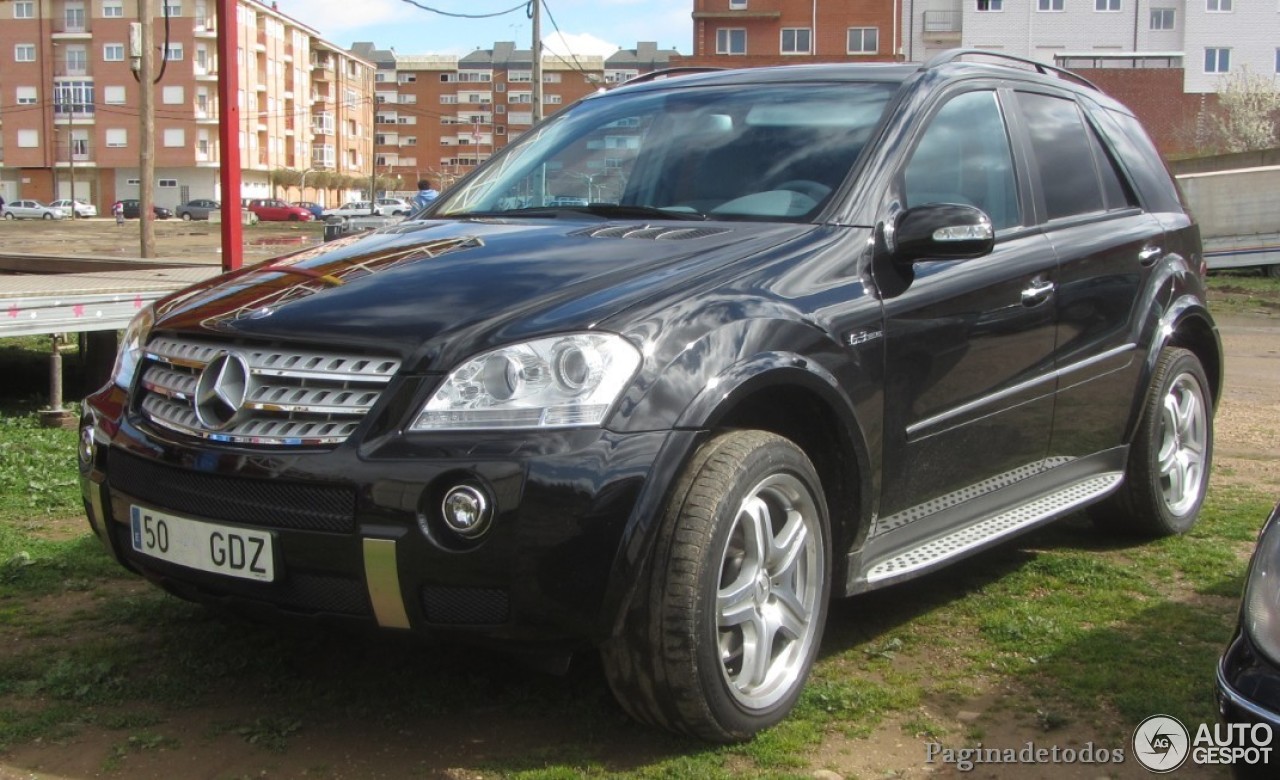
<point x="1239" y="215"/>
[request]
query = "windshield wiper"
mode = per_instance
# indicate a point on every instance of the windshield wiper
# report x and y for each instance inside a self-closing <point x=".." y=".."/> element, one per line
<point x="606" y="210"/>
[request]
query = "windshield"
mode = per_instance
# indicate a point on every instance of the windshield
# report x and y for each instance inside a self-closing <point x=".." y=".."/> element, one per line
<point x="773" y="151"/>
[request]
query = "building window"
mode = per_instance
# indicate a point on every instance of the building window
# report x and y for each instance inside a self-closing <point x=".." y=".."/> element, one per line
<point x="27" y="96"/>
<point x="737" y="5"/>
<point x="731" y="40"/>
<point x="1051" y="5"/>
<point x="173" y="96"/>
<point x="28" y="139"/>
<point x="117" y="138"/>
<point x="1163" y="18"/>
<point x="173" y="9"/>
<point x="174" y="54"/>
<point x="864" y="40"/>
<point x="1217" y="60"/>
<point x="73" y="97"/>
<point x="24" y="9"/>
<point x="796" y="40"/>
<point x="24" y="52"/>
<point x="73" y="17"/>
<point x="990" y="5"/>
<point x="132" y="182"/>
<point x="1218" y="6"/>
<point x="77" y="61"/>
<point x="79" y="145"/>
<point x="167" y="183"/>
<point x="1106" y="5"/>
<point x="113" y="52"/>
<point x="113" y="95"/>
<point x="112" y="9"/>
<point x="175" y="136"/>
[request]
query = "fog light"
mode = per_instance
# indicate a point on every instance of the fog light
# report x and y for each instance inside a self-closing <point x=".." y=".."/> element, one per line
<point x="466" y="511"/>
<point x="86" y="448"/>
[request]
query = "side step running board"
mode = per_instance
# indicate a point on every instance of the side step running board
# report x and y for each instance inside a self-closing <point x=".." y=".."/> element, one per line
<point x="992" y="529"/>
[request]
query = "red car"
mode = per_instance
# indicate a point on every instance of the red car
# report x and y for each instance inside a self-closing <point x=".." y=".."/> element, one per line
<point x="274" y="210"/>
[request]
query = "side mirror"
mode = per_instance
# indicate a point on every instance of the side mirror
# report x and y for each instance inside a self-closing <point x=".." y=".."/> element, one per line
<point x="941" y="231"/>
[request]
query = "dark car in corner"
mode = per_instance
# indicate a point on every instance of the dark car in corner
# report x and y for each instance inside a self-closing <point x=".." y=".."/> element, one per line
<point x="132" y="209"/>
<point x="1249" y="670"/>
<point x="814" y="331"/>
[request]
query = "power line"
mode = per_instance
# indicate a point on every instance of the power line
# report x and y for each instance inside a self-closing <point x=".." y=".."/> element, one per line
<point x="416" y="4"/>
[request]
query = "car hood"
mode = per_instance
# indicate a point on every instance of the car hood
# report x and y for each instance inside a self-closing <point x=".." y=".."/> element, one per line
<point x="435" y="291"/>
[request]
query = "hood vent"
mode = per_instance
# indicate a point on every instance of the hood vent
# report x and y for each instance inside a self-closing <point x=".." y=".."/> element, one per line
<point x="650" y="232"/>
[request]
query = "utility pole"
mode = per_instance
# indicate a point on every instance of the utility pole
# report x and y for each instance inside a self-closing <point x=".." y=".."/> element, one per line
<point x="537" y="61"/>
<point x="229" y="134"/>
<point x="146" y="130"/>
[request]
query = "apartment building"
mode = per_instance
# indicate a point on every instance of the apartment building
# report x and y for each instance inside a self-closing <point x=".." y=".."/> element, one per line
<point x="69" y="101"/>
<point x="438" y="116"/>
<point x="751" y="33"/>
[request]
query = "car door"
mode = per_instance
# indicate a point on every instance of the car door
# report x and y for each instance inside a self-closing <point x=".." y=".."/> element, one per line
<point x="1107" y="247"/>
<point x="969" y="344"/>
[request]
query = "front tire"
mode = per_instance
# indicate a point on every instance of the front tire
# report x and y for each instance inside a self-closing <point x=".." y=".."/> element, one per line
<point x="47" y="215"/>
<point x="1168" y="470"/>
<point x="186" y="216"/>
<point x="722" y="634"/>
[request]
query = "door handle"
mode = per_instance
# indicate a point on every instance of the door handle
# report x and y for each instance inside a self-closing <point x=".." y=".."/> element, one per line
<point x="1037" y="293"/>
<point x="1149" y="254"/>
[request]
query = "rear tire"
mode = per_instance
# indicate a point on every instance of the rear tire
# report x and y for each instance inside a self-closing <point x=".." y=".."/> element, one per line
<point x="727" y="621"/>
<point x="46" y="215"/>
<point x="186" y="216"/>
<point x="1169" y="461"/>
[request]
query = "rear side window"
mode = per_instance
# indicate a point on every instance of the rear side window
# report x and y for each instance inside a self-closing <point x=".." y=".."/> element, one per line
<point x="1062" y="150"/>
<point x="964" y="157"/>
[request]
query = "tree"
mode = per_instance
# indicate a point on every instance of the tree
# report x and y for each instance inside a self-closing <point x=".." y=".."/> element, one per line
<point x="1245" y="119"/>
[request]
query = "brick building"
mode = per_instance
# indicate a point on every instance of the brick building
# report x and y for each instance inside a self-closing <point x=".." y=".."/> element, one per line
<point x="749" y="33"/>
<point x="438" y="116"/>
<point x="69" y="117"/>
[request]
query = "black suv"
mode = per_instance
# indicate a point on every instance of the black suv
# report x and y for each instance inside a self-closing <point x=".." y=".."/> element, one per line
<point x="676" y="367"/>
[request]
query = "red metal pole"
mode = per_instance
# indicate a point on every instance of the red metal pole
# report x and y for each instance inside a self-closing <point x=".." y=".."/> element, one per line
<point x="229" y="134"/>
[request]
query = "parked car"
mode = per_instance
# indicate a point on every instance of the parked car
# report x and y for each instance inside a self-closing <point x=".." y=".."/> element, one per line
<point x="355" y="208"/>
<point x="1249" y="671"/>
<point x="132" y="209"/>
<point x="275" y="210"/>
<point x="317" y="211"/>
<point x="846" y="325"/>
<point x="196" y="209"/>
<point x="396" y="207"/>
<point x="31" y="209"/>
<point x="82" y="209"/>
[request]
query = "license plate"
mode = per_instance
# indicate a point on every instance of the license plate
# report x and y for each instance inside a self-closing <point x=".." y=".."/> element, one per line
<point x="211" y="547"/>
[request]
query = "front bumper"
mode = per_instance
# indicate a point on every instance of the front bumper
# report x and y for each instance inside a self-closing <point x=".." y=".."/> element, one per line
<point x="1248" y="693"/>
<point x="358" y="529"/>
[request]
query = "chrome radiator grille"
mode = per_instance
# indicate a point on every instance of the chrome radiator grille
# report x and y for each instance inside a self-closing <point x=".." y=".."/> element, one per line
<point x="259" y="395"/>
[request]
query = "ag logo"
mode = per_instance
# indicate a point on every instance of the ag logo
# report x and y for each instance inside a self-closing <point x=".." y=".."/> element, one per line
<point x="1161" y="743"/>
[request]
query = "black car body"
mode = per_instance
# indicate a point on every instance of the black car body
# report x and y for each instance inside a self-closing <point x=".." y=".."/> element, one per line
<point x="132" y="208"/>
<point x="1249" y="671"/>
<point x="817" y="330"/>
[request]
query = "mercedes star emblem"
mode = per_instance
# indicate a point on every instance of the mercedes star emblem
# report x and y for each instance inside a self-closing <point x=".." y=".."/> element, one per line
<point x="221" y="390"/>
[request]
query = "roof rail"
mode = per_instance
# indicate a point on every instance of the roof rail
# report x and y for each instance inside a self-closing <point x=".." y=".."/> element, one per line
<point x="952" y="55"/>
<point x="658" y="75"/>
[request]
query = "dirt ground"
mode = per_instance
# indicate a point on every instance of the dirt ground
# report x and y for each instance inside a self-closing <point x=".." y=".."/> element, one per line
<point x="1247" y="451"/>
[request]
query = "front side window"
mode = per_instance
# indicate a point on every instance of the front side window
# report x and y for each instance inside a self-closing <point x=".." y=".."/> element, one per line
<point x="1163" y="18"/>
<point x="795" y="40"/>
<point x="731" y="41"/>
<point x="1217" y="60"/>
<point x="964" y="157"/>
<point x="864" y="40"/>
<point x="768" y="152"/>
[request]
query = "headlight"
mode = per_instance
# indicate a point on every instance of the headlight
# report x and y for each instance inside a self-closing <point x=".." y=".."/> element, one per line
<point x="130" y="354"/>
<point x="558" y="382"/>
<point x="1262" y="591"/>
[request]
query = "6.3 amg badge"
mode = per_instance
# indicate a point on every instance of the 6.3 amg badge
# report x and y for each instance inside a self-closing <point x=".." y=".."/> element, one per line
<point x="221" y="390"/>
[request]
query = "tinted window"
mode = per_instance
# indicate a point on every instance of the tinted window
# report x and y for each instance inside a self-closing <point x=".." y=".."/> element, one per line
<point x="1061" y="145"/>
<point x="1117" y="193"/>
<point x="964" y="157"/>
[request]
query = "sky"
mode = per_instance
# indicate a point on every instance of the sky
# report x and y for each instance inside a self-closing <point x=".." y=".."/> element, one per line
<point x="585" y="26"/>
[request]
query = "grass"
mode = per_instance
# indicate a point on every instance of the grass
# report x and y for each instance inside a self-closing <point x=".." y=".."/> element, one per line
<point x="1244" y="291"/>
<point x="1062" y="629"/>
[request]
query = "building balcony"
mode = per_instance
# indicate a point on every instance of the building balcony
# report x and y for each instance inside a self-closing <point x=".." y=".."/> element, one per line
<point x="204" y="73"/>
<point x="206" y="117"/>
<point x="206" y="27"/>
<point x="943" y="26"/>
<point x="73" y="70"/>
<point x="71" y="31"/>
